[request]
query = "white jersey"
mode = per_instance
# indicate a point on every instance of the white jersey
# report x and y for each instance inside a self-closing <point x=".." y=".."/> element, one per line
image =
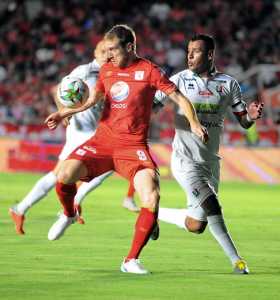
<point x="87" y="120"/>
<point x="82" y="125"/>
<point x="211" y="97"/>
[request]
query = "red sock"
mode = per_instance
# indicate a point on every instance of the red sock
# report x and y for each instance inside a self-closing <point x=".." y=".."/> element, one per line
<point x="66" y="194"/>
<point x="143" y="228"/>
<point x="131" y="190"/>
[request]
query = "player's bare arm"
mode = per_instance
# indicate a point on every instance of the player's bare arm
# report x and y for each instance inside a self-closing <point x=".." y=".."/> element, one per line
<point x="254" y="112"/>
<point x="55" y="118"/>
<point x="189" y="112"/>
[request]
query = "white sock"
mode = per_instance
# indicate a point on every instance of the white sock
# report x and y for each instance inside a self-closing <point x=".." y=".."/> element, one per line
<point x="39" y="191"/>
<point x="86" y="187"/>
<point x="219" y="230"/>
<point x="173" y="216"/>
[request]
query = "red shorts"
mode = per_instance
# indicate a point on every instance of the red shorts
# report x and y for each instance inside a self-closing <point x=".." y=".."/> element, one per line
<point x="100" y="156"/>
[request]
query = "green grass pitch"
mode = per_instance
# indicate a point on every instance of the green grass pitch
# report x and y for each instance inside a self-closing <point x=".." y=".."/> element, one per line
<point x="85" y="263"/>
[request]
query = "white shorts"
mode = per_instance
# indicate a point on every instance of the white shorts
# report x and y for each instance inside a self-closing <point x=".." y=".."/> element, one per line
<point x="198" y="180"/>
<point x="74" y="138"/>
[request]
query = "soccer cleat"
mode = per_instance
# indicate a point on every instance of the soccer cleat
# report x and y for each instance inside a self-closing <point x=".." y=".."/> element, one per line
<point x="133" y="266"/>
<point x="130" y="204"/>
<point x="78" y="210"/>
<point x="17" y="219"/>
<point x="240" y="267"/>
<point x="59" y="227"/>
<point x="155" y="233"/>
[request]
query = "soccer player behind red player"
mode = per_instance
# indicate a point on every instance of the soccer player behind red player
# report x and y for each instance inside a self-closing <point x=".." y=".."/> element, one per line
<point x="127" y="85"/>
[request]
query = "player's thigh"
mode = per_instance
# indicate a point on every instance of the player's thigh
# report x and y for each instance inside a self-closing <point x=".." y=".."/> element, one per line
<point x="137" y="165"/>
<point x="57" y="167"/>
<point x="194" y="180"/>
<point x="71" y="170"/>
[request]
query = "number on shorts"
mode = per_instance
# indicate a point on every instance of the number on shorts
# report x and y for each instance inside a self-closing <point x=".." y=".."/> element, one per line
<point x="141" y="155"/>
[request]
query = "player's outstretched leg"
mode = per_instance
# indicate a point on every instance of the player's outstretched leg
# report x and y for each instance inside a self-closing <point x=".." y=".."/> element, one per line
<point x="84" y="189"/>
<point x="220" y="232"/>
<point x="38" y="192"/>
<point x="146" y="184"/>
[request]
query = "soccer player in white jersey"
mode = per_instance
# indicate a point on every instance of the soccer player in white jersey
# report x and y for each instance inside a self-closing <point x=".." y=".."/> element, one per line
<point x="195" y="165"/>
<point x="79" y="129"/>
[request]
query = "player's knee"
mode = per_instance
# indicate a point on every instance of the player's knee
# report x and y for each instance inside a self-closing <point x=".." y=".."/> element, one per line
<point x="211" y="206"/>
<point x="195" y="226"/>
<point x="151" y="199"/>
<point x="64" y="176"/>
<point x="67" y="174"/>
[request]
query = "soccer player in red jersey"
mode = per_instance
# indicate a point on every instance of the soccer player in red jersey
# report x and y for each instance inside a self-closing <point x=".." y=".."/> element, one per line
<point x="127" y="84"/>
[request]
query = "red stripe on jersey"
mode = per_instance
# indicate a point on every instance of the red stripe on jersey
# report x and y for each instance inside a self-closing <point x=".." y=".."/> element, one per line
<point x="240" y="113"/>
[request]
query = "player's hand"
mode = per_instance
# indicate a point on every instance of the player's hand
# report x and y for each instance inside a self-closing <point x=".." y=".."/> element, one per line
<point x="53" y="120"/>
<point x="255" y="109"/>
<point x="200" y="131"/>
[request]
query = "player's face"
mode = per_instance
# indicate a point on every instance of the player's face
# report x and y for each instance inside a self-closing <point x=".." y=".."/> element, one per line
<point x="116" y="53"/>
<point x="101" y="53"/>
<point x="198" y="58"/>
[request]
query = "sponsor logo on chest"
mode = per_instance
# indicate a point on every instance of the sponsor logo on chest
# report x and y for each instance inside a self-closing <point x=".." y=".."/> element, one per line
<point x="205" y="93"/>
<point x="139" y="75"/>
<point x="119" y="91"/>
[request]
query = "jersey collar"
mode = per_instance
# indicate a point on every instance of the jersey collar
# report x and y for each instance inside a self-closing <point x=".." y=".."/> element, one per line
<point x="212" y="73"/>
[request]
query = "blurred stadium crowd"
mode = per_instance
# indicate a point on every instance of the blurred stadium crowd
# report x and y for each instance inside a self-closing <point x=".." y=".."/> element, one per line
<point x="43" y="40"/>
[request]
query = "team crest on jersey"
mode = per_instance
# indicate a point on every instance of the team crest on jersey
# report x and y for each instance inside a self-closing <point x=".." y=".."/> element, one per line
<point x="119" y="91"/>
<point x="220" y="89"/>
<point x="139" y="75"/>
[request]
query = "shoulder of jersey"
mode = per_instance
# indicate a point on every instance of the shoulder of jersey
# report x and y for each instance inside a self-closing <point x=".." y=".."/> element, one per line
<point x="181" y="75"/>
<point x="143" y="62"/>
<point x="223" y="76"/>
<point x="85" y="70"/>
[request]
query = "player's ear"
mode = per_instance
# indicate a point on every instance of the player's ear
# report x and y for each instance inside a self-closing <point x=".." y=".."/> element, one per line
<point x="211" y="54"/>
<point x="129" y="47"/>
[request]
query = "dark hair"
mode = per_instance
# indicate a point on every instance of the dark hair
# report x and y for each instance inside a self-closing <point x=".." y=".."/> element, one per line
<point x="124" y="33"/>
<point x="207" y="39"/>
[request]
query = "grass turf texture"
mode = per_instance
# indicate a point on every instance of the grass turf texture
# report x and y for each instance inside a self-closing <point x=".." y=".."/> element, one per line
<point x="85" y="263"/>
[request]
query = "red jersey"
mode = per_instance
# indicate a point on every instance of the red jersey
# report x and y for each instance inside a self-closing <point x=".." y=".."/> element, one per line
<point x="129" y="96"/>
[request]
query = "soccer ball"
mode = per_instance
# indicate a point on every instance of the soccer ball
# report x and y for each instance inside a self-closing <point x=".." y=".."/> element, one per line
<point x="72" y="91"/>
